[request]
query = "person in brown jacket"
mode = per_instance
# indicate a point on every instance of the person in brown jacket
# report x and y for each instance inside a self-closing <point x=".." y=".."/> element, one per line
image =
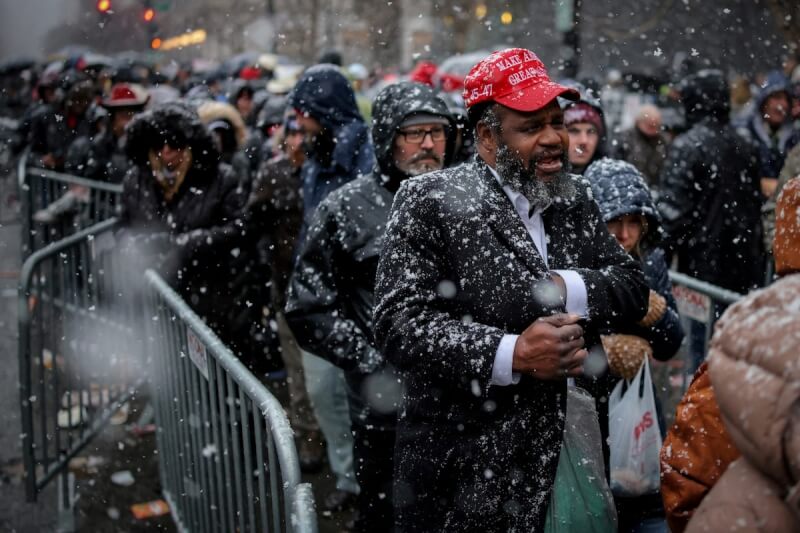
<point x="756" y="394"/>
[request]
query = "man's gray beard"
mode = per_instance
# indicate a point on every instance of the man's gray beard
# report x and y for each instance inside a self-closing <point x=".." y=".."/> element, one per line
<point x="540" y="193"/>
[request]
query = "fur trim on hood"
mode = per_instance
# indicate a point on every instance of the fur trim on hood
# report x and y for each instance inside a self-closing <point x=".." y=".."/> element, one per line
<point x="212" y="111"/>
<point x="176" y="123"/>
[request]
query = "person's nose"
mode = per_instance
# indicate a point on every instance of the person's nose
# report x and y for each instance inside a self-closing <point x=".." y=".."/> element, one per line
<point x="427" y="141"/>
<point x="550" y="137"/>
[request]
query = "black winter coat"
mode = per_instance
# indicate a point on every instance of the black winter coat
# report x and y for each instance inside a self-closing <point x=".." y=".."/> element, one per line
<point x="102" y="158"/>
<point x="196" y="237"/>
<point x="330" y="298"/>
<point x="273" y="217"/>
<point x="193" y="235"/>
<point x="332" y="291"/>
<point x="457" y="272"/>
<point x="710" y="204"/>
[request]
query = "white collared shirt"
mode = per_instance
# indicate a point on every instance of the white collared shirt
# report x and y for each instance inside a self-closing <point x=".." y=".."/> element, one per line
<point x="577" y="300"/>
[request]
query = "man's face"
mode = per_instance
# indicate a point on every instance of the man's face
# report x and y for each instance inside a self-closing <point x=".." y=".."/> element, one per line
<point x="120" y="119"/>
<point x="171" y="157"/>
<point x="649" y="125"/>
<point x="311" y="126"/>
<point x="420" y="148"/>
<point x="538" y="139"/>
<point x="529" y="151"/>
<point x="244" y="104"/>
<point x="776" y="109"/>
<point x="583" y="139"/>
<point x="294" y="142"/>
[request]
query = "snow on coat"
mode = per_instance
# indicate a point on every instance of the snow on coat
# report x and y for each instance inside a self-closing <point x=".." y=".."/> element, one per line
<point x="331" y="294"/>
<point x="458" y="270"/>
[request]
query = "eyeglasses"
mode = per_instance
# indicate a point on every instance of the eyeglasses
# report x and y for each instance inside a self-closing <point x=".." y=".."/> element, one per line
<point x="418" y="136"/>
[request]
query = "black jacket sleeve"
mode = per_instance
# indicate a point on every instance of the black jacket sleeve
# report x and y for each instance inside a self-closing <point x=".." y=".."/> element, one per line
<point x="228" y="232"/>
<point x="315" y="307"/>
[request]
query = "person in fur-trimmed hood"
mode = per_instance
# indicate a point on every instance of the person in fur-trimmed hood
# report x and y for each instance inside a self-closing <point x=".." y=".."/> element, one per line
<point x="180" y="206"/>
<point x="229" y="132"/>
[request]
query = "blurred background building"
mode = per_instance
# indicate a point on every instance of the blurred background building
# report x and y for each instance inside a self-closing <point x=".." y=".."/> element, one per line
<point x="646" y="36"/>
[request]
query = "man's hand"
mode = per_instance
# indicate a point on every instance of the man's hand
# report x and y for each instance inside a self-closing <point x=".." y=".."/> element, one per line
<point x="551" y="348"/>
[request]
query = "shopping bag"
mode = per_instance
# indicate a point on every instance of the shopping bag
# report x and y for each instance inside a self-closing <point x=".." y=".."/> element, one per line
<point x="581" y="499"/>
<point x="634" y="436"/>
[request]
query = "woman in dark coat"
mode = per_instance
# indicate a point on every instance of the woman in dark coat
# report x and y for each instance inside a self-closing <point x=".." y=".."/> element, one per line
<point x="180" y="211"/>
<point x="630" y="215"/>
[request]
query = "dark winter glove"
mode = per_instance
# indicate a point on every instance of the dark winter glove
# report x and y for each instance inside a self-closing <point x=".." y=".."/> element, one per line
<point x="625" y="353"/>
<point x="655" y="309"/>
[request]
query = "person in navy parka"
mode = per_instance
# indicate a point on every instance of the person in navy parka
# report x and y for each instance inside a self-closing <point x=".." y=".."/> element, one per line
<point x="631" y="216"/>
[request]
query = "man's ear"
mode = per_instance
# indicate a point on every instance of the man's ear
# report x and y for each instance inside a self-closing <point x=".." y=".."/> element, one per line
<point x="485" y="136"/>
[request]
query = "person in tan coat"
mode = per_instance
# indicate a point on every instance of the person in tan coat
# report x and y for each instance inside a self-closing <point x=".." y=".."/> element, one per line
<point x="756" y="384"/>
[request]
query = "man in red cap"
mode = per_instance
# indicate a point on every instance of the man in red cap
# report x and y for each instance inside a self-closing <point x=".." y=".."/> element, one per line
<point x="486" y="270"/>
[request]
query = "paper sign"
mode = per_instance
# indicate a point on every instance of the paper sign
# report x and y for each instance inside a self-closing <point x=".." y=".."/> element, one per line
<point x="691" y="303"/>
<point x="197" y="352"/>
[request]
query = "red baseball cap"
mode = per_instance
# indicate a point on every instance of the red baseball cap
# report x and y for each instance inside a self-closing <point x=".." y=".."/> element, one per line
<point x="127" y="95"/>
<point x="515" y="78"/>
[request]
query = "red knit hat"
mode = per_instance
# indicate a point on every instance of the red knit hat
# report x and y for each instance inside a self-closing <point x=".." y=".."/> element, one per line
<point x="515" y="78"/>
<point x="786" y="247"/>
<point x="583" y="112"/>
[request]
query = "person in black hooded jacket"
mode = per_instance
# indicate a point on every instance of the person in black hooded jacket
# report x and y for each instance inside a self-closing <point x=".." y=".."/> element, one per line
<point x="338" y="150"/>
<point x="181" y="208"/>
<point x="332" y="291"/>
<point x="710" y="200"/>
<point x="631" y="216"/>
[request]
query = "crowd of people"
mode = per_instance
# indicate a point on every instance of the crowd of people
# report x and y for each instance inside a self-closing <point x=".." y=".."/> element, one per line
<point x="434" y="269"/>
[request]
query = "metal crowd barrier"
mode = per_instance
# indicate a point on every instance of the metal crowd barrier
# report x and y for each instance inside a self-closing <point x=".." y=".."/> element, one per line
<point x="226" y="452"/>
<point x="77" y="356"/>
<point x="699" y="304"/>
<point x="40" y="188"/>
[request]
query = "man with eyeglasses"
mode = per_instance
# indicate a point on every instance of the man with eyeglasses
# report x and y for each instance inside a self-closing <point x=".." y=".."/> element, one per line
<point x="486" y="270"/>
<point x="331" y="292"/>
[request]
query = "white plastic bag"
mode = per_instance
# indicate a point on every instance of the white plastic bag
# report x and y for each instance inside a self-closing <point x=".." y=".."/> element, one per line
<point x="635" y="438"/>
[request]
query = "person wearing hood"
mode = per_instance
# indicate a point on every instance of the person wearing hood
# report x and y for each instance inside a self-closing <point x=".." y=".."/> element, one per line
<point x="332" y="292"/>
<point x="338" y="150"/>
<point x="631" y="217"/>
<point x="180" y="211"/>
<point x="230" y="135"/>
<point x="710" y="202"/>
<point x="242" y="97"/>
<point x="770" y="129"/>
<point x="586" y="126"/>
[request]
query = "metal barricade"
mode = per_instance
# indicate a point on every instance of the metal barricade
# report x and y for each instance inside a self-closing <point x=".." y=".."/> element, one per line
<point x="699" y="304"/>
<point x="76" y="355"/>
<point x="39" y="188"/>
<point x="226" y="452"/>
